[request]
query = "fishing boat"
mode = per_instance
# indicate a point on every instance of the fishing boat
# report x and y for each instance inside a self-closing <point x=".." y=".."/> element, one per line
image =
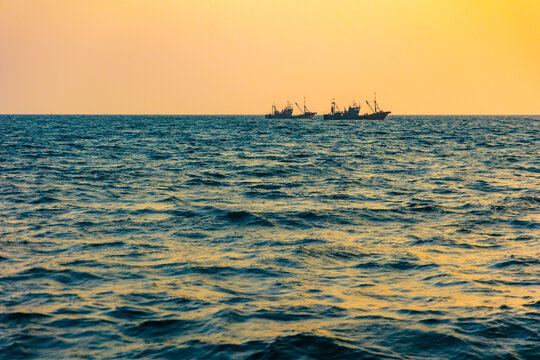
<point x="346" y="114"/>
<point x="376" y="112"/>
<point x="287" y="112"/>
<point x="353" y="112"/>
<point x="305" y="113"/>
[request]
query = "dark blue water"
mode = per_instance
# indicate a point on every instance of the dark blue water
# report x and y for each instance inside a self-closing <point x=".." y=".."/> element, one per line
<point x="236" y="237"/>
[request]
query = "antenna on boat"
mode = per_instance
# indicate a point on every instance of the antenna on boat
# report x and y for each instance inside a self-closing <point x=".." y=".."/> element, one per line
<point x="377" y="108"/>
<point x="334" y="106"/>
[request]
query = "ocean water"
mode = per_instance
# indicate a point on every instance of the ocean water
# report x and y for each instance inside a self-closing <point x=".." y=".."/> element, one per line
<point x="236" y="237"/>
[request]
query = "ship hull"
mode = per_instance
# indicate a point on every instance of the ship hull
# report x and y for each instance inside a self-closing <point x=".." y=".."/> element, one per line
<point x="381" y="115"/>
<point x="333" y="116"/>
<point x="306" y="115"/>
<point x="280" y="116"/>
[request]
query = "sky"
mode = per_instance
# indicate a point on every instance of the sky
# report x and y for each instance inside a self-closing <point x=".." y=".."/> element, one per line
<point x="241" y="56"/>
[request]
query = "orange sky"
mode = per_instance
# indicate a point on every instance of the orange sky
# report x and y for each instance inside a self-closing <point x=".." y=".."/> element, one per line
<point x="237" y="57"/>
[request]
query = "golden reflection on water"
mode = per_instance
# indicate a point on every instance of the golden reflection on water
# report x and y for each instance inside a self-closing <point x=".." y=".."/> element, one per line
<point x="325" y="282"/>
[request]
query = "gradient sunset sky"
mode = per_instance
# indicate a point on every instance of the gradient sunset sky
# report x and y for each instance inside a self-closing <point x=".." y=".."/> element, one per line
<point x="238" y="57"/>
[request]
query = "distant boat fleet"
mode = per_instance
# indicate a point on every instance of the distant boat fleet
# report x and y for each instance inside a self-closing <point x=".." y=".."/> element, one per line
<point x="351" y="113"/>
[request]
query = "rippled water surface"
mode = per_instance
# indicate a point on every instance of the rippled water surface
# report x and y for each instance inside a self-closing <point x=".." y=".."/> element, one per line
<point x="236" y="237"/>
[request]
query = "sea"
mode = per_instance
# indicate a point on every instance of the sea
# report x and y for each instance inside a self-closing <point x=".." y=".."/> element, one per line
<point x="239" y="237"/>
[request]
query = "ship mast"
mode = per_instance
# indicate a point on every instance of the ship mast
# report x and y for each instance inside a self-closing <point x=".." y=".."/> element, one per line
<point x="299" y="108"/>
<point x="367" y="102"/>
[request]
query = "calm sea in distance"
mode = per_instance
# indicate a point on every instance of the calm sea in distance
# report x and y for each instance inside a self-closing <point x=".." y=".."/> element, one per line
<point x="239" y="237"/>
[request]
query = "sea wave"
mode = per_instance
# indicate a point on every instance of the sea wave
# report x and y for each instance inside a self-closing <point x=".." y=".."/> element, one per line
<point x="236" y="237"/>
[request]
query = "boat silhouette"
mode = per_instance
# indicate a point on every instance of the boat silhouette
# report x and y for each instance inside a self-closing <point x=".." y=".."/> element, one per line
<point x="306" y="114"/>
<point x="353" y="112"/>
<point x="287" y="112"/>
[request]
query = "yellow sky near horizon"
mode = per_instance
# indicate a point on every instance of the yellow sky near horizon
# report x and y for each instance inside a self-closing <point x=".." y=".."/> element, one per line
<point x="240" y="56"/>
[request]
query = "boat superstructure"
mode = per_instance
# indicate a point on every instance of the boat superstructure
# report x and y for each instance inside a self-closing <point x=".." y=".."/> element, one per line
<point x="285" y="113"/>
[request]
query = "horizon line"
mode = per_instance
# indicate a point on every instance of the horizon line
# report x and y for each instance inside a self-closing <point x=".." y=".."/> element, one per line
<point x="230" y="114"/>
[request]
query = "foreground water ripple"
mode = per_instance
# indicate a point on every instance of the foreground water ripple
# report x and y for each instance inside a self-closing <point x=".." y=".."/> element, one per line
<point x="235" y="237"/>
